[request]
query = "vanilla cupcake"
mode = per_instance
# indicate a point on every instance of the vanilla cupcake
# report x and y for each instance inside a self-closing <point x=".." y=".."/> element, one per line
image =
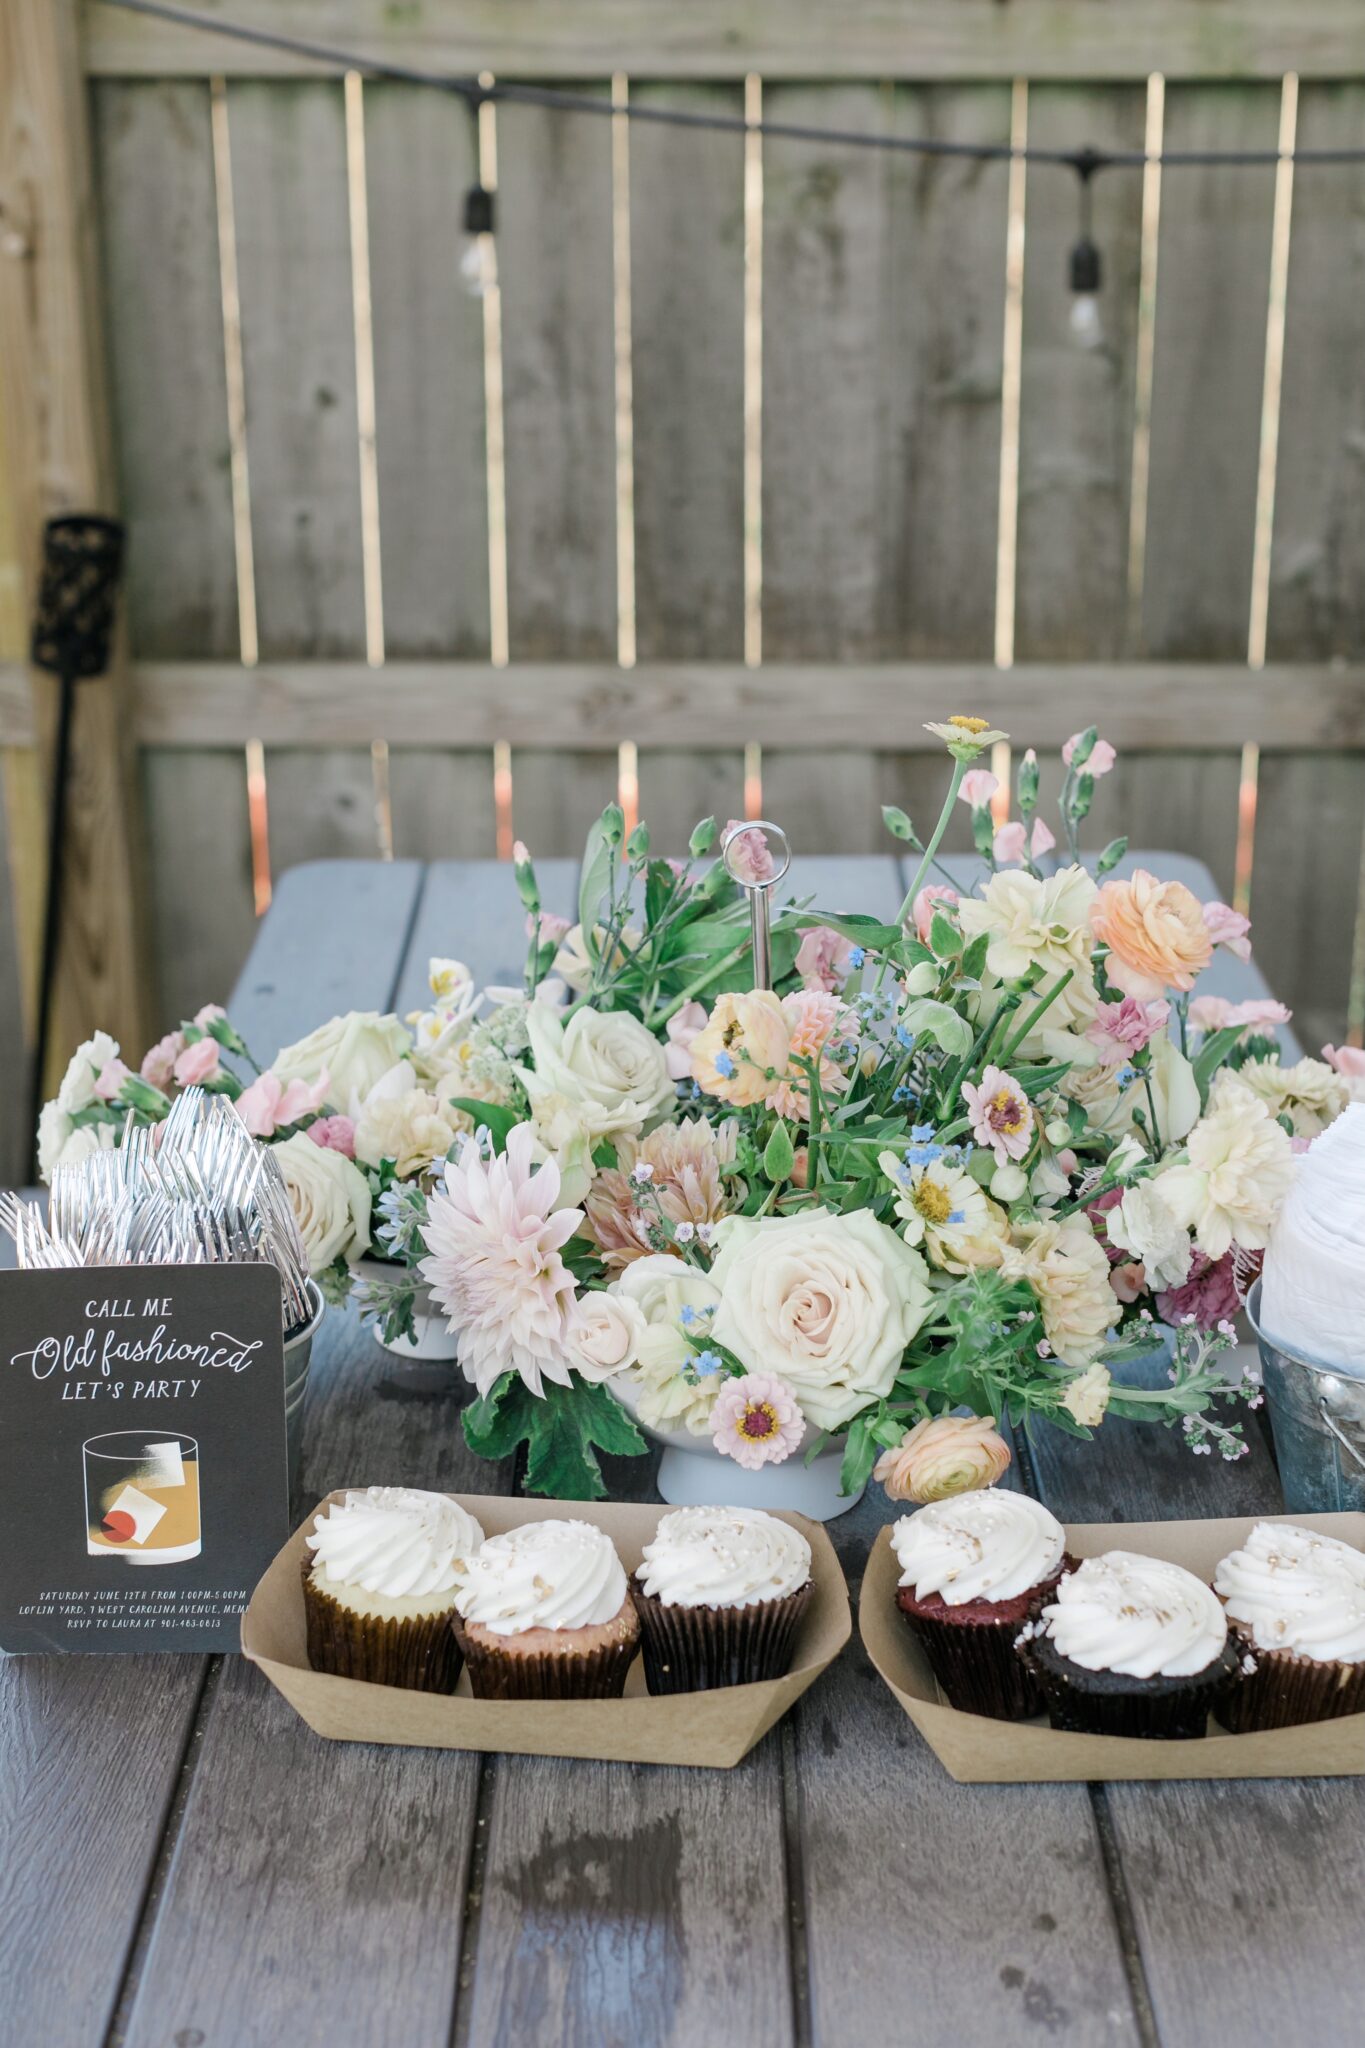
<point x="1131" y="1646"/>
<point x="379" y="1588"/>
<point x="720" y="1593"/>
<point x="974" y="1569"/>
<point x="1295" y="1602"/>
<point x="544" y="1613"/>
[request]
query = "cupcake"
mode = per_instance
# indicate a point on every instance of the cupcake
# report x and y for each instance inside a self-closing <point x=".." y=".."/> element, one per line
<point x="974" y="1569"/>
<point x="379" y="1588"/>
<point x="1295" y="1603"/>
<point x="1131" y="1646"/>
<point x="720" y="1593"/>
<point x="544" y="1613"/>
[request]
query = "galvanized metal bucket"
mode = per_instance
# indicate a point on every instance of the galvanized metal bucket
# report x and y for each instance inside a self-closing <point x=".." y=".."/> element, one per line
<point x="1317" y="1417"/>
<point x="298" y="1357"/>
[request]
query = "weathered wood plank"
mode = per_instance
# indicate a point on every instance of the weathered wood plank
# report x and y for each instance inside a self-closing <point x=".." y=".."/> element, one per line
<point x="469" y="910"/>
<point x="798" y="38"/>
<point x="1213" y="278"/>
<point x="1310" y="837"/>
<point x="1076" y="404"/>
<point x="555" y="269"/>
<point x="164" y="317"/>
<point x="687" y="334"/>
<point x="289" y="175"/>
<point x="441" y="803"/>
<point x="578" y="706"/>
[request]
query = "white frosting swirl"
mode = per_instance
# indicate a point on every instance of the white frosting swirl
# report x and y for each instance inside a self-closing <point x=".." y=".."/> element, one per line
<point x="1297" y="1590"/>
<point x="989" y="1545"/>
<point x="1137" y="1615"/>
<point x="393" y="1540"/>
<point x="723" y="1557"/>
<point x="543" y="1575"/>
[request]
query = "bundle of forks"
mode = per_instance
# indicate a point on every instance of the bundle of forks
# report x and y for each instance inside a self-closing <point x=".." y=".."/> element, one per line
<point x="195" y="1190"/>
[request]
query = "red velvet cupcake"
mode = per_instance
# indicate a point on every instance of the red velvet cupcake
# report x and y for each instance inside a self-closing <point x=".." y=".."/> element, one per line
<point x="974" y="1570"/>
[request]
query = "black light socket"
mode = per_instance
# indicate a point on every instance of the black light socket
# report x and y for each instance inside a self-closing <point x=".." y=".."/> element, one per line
<point x="478" y="211"/>
<point x="1086" y="268"/>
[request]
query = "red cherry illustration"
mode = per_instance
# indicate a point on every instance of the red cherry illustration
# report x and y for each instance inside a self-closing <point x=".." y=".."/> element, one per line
<point x="119" y="1526"/>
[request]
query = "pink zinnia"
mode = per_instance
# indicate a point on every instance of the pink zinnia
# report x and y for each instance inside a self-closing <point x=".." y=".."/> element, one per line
<point x="1000" y="1114"/>
<point x="688" y="1024"/>
<point x="756" y="1421"/>
<point x="1228" y="927"/>
<point x="933" y="894"/>
<point x="269" y="1104"/>
<point x="1102" y="756"/>
<point x="494" y="1236"/>
<point x="1121" y="1029"/>
<point x="748" y="852"/>
<point x="333" y="1133"/>
<point x="1209" y="1294"/>
<point x="822" y="958"/>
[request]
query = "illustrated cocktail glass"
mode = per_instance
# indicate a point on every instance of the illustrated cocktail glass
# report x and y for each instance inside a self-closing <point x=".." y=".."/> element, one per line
<point x="142" y="1496"/>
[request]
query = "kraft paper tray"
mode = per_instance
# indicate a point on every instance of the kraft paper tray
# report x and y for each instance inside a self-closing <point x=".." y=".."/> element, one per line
<point x="705" y="1728"/>
<point x="976" y="1749"/>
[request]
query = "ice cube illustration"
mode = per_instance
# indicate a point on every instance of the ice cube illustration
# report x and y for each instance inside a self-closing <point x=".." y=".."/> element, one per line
<point x="133" y="1516"/>
<point x="165" y="1466"/>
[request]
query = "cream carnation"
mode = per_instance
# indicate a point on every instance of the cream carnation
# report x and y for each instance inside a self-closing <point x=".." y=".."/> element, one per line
<point x="330" y="1198"/>
<point x="603" y="1062"/>
<point x="1237" y="1172"/>
<point x="1069" y="1273"/>
<point x="1086" y="1398"/>
<point x="1144" y="1224"/>
<point x="413" y="1130"/>
<point x="826" y="1302"/>
<point x="1031" y="922"/>
<point x="86" y="1064"/>
<point x="1310" y="1092"/>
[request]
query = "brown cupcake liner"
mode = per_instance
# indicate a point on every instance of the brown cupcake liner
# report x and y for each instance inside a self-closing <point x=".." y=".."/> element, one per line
<point x="697" y="1649"/>
<point x="972" y="1655"/>
<point x="1286" y="1689"/>
<point x="573" y="1673"/>
<point x="419" y="1654"/>
<point x="1159" y="1709"/>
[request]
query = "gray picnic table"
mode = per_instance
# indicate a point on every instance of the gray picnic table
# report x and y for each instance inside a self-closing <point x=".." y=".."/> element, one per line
<point x="183" y="1864"/>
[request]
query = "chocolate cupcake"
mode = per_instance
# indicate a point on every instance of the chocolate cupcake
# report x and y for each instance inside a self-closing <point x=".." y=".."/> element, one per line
<point x="720" y="1594"/>
<point x="1131" y="1646"/>
<point x="1295" y="1603"/>
<point x="974" y="1569"/>
<point x="379" y="1588"/>
<point x="543" y="1613"/>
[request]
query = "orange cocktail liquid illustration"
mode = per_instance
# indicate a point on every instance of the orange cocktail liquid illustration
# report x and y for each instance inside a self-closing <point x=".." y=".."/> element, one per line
<point x="142" y="1496"/>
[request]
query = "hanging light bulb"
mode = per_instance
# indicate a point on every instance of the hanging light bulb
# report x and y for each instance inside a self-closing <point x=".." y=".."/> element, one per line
<point x="478" y="225"/>
<point x="1086" y="269"/>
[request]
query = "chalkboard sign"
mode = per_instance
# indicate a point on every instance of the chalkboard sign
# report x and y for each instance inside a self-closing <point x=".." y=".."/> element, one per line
<point x="143" y="1436"/>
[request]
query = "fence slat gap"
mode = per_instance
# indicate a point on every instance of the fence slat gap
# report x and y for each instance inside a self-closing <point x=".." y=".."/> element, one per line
<point x="1274" y="374"/>
<point x="1247" y="792"/>
<point x="496" y="467"/>
<point x="753" y="376"/>
<point x="362" y="315"/>
<point x="625" y="391"/>
<point x="1011" y="382"/>
<point x="1146" y="355"/>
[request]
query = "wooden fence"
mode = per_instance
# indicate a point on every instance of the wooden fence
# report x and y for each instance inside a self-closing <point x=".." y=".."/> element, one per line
<point x="755" y="458"/>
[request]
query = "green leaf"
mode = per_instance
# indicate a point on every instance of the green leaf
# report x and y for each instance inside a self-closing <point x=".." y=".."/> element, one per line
<point x="983" y="831"/>
<point x="660" y="882"/>
<point x="496" y="1117"/>
<point x="928" y="1018"/>
<point x="944" y="936"/>
<point x="496" y="1423"/>
<point x="592" y="886"/>
<point x="864" y="931"/>
<point x="896" y="822"/>
<point x="779" y="1155"/>
<point x="703" y="838"/>
<point x="563" y="1431"/>
<point x="860" y="1455"/>
<point x="974" y="959"/>
<point x="1211" y="1054"/>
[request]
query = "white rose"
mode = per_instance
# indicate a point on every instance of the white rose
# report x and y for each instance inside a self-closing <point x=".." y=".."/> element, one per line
<point x="87" y="1063"/>
<point x="607" y="1065"/>
<point x="355" y="1052"/>
<point x="664" y="1289"/>
<point x="826" y="1302"/>
<point x="330" y="1198"/>
<point x="606" y="1335"/>
<point x="562" y="1135"/>
<point x="1143" y="1224"/>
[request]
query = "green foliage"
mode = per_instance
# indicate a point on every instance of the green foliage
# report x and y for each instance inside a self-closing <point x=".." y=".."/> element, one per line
<point x="563" y="1431"/>
<point x="779" y="1155"/>
<point x="497" y="1118"/>
<point x="896" y="822"/>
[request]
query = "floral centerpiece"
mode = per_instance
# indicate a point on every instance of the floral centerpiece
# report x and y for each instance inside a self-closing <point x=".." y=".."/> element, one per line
<point x="951" y="1173"/>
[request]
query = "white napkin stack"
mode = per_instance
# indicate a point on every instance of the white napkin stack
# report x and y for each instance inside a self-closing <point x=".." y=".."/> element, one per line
<point x="1313" y="1282"/>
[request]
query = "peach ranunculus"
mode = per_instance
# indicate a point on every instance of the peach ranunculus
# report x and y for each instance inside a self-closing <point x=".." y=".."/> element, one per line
<point x="941" y="1456"/>
<point x="816" y="1021"/>
<point x="1155" y="932"/>
<point x="742" y="1053"/>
